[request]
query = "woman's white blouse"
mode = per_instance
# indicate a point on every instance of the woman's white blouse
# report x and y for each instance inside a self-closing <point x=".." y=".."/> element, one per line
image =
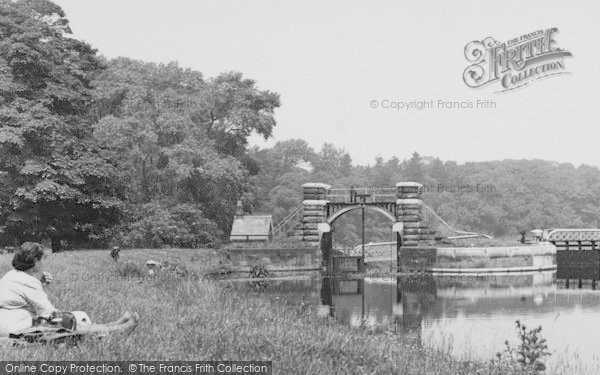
<point x="19" y="290"/>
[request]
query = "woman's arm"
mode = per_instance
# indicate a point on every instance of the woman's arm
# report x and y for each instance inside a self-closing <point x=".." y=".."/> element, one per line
<point x="38" y="300"/>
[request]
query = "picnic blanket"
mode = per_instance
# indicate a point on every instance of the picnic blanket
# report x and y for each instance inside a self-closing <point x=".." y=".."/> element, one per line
<point x="48" y="334"/>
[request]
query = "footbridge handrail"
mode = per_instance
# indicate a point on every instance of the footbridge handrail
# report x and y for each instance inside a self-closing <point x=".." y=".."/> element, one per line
<point x="279" y="228"/>
<point x="591" y="234"/>
<point x="446" y="228"/>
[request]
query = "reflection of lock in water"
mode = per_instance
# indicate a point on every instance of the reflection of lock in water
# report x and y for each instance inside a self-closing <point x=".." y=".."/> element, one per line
<point x="342" y="287"/>
<point x="331" y="287"/>
<point x="414" y="259"/>
<point x="415" y="296"/>
<point x="347" y="264"/>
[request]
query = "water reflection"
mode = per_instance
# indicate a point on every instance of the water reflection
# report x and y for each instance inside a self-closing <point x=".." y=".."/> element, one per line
<point x="472" y="316"/>
<point x="469" y="316"/>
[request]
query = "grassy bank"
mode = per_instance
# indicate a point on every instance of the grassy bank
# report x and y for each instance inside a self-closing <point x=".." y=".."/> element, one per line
<point x="186" y="316"/>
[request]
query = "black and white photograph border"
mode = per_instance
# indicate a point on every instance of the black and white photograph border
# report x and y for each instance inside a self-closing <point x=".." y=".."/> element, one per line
<point x="300" y="187"/>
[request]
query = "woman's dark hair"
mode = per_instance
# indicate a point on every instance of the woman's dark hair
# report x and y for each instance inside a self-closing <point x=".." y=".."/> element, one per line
<point x="26" y="255"/>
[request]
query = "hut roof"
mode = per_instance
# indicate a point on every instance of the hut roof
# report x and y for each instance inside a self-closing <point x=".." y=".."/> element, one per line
<point x="251" y="227"/>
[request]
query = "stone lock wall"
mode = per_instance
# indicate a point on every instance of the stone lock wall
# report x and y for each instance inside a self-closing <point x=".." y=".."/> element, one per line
<point x="409" y="211"/>
<point x="298" y="259"/>
<point x="314" y="210"/>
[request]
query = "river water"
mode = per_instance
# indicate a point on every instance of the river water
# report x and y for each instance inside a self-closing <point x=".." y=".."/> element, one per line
<point x="469" y="316"/>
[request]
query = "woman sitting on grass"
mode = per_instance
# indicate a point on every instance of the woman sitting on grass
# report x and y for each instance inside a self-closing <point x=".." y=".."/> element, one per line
<point x="24" y="301"/>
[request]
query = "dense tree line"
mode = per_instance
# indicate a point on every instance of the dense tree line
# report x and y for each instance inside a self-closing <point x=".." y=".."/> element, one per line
<point x="96" y="151"/>
<point x="93" y="151"/>
<point x="501" y="198"/>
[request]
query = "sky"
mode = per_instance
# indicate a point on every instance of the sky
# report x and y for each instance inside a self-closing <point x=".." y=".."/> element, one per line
<point x="332" y="62"/>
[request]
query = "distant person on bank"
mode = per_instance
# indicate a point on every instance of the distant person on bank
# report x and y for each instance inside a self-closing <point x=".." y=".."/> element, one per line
<point x="23" y="299"/>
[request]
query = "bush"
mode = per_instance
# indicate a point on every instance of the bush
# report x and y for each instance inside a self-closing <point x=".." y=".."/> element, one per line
<point x="259" y="271"/>
<point x="182" y="225"/>
<point x="531" y="351"/>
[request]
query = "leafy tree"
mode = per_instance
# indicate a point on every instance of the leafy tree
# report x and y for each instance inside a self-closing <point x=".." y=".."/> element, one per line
<point x="332" y="161"/>
<point x="180" y="138"/>
<point x="59" y="184"/>
<point x="415" y="168"/>
<point x="181" y="225"/>
<point x="232" y="108"/>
